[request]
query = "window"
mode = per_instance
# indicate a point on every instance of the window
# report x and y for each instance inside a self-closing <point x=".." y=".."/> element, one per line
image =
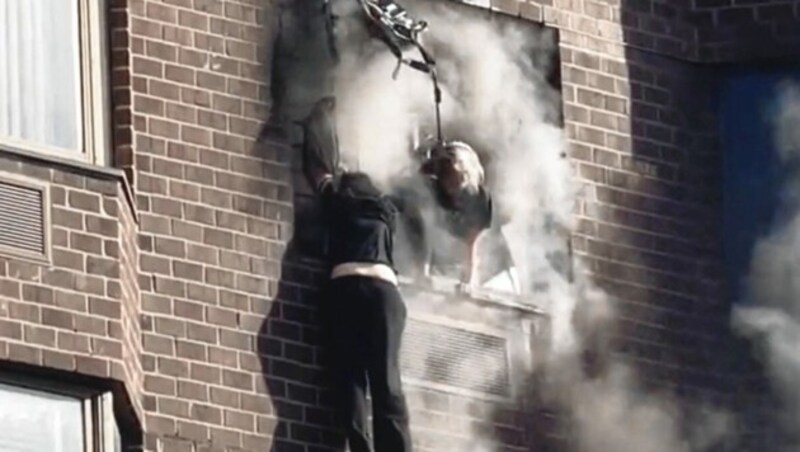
<point x="752" y="171"/>
<point x="60" y="419"/>
<point x="53" y="94"/>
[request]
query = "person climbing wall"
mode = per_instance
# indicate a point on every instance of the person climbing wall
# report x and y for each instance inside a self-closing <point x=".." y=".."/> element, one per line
<point x="362" y="307"/>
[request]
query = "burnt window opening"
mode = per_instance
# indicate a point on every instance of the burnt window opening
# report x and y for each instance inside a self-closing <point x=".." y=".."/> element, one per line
<point x="498" y="271"/>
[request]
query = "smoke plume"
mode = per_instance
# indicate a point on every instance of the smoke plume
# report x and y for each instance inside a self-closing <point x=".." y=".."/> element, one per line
<point x="496" y="97"/>
<point x="772" y="316"/>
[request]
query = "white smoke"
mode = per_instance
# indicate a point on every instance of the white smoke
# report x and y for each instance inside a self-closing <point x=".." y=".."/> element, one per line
<point x="773" y="318"/>
<point x="497" y="99"/>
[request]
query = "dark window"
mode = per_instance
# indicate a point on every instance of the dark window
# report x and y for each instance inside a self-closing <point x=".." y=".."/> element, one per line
<point x="752" y="171"/>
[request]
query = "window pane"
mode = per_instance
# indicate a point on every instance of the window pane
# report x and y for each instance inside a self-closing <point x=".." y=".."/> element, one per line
<point x="752" y="170"/>
<point x="34" y="421"/>
<point x="39" y="73"/>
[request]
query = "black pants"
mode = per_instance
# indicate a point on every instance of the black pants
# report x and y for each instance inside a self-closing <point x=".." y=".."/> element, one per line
<point x="366" y="317"/>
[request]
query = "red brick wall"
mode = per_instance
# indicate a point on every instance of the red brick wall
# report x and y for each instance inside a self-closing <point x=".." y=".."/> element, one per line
<point x="215" y="212"/>
<point x="732" y="31"/>
<point x="79" y="313"/>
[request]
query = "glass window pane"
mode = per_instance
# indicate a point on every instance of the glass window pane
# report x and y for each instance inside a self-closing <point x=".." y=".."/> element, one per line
<point x="753" y="172"/>
<point x="40" y="101"/>
<point x="35" y="421"/>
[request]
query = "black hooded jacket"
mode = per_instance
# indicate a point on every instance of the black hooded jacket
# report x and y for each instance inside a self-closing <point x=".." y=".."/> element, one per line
<point x="360" y="219"/>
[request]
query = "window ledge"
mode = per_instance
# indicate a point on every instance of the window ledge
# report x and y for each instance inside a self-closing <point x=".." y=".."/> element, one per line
<point x="76" y="166"/>
<point x="450" y="288"/>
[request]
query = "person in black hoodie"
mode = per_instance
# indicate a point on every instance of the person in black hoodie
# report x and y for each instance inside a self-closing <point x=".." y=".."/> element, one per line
<point x="362" y="306"/>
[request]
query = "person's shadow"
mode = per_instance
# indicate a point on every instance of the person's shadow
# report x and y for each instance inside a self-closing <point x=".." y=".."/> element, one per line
<point x="291" y="349"/>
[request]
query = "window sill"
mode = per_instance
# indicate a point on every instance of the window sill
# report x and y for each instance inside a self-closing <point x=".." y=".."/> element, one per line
<point x="449" y="288"/>
<point x="75" y="166"/>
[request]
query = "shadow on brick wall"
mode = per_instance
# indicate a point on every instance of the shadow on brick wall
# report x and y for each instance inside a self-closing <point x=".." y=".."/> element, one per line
<point x="293" y="361"/>
<point x="660" y="203"/>
<point x="644" y="137"/>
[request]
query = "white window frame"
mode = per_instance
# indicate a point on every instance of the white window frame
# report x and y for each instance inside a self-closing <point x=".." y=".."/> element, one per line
<point x="100" y="429"/>
<point x="94" y="102"/>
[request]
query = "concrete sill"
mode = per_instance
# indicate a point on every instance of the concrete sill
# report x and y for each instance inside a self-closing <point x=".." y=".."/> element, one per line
<point x="76" y="167"/>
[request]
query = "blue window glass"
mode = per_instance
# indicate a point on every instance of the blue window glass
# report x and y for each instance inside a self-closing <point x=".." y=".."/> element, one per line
<point x="752" y="171"/>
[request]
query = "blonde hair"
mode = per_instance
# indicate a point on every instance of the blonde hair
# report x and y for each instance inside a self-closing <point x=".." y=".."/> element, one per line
<point x="465" y="160"/>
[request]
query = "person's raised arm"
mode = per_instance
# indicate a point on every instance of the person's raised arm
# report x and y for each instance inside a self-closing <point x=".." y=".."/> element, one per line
<point x="320" y="149"/>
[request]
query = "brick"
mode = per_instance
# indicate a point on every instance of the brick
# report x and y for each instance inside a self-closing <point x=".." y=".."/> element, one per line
<point x="169" y="286"/>
<point x="107" y="348"/>
<point x="199" y="214"/>
<point x="225" y="438"/>
<point x="196" y="135"/>
<point x="59" y="360"/>
<point x="24" y="354"/>
<point x="101" y="266"/>
<point x="57" y="318"/>
<point x="158" y="344"/>
<point x="173" y="407"/>
<point x="207" y="374"/>
<point x="38" y="294"/>
<point x="170" y="247"/>
<point x="176" y="445"/>
<point x="186" y="270"/>
<point x="193" y="391"/>
<point x="224" y="397"/>
<point x="38" y="335"/>
<point x="207" y="118"/>
<point x="239" y="420"/>
<point x="10" y="329"/>
<point x="191" y="350"/>
<point x="211" y="81"/>
<point x="93" y="325"/>
<point x="166" y="91"/>
<point x="155" y="264"/>
<point x="235" y="339"/>
<point x="176" y="35"/>
<point x="188" y="310"/>
<point x="71" y="219"/>
<point x="161" y="12"/>
<point x="160" y="425"/>
<point x="184" y="191"/>
<point x="239" y="380"/>
<point x="148" y="105"/>
<point x="195" y="97"/>
<point x="193" y="431"/>
<point x="202" y="333"/>
<point x="234" y="261"/>
<point x="84" y="201"/>
<point x="170" y="327"/>
<point x="145" y="66"/>
<point x="222" y="317"/>
<point x="162" y="128"/>
<point x="92" y="366"/>
<point x="105" y="308"/>
<point x="193" y="20"/>
<point x="202" y="292"/>
<point x="186" y="230"/>
<point x="102" y="226"/>
<point x="219" y="277"/>
<point x="223" y="357"/>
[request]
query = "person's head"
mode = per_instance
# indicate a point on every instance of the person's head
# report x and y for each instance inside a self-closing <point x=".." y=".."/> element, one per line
<point x="458" y="168"/>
